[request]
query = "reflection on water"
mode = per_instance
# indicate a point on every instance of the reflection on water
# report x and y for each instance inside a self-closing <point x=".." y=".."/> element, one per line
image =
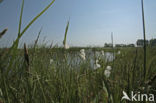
<point x="91" y="57"/>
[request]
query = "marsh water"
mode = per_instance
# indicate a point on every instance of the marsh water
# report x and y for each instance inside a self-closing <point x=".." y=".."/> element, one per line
<point x="75" y="58"/>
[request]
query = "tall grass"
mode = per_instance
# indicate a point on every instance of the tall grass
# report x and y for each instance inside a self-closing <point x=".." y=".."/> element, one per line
<point x="65" y="35"/>
<point x="112" y="47"/>
<point x="60" y="82"/>
<point x="144" y="34"/>
<point x="13" y="50"/>
<point x="28" y="76"/>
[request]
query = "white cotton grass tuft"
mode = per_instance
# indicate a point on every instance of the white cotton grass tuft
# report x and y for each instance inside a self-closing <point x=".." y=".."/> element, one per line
<point x="107" y="71"/>
<point x="118" y="52"/>
<point x="82" y="54"/>
<point x="51" y="61"/>
<point x="97" y="65"/>
<point x="109" y="68"/>
<point x="102" y="52"/>
<point x="66" y="46"/>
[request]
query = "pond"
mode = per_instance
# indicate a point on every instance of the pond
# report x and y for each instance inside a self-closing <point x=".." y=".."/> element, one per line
<point x="76" y="58"/>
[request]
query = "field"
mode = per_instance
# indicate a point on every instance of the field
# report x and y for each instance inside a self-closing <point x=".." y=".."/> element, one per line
<point x="41" y="74"/>
<point x="48" y="78"/>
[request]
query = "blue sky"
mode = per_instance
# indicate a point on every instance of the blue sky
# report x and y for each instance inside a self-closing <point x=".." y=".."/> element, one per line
<point x="91" y="21"/>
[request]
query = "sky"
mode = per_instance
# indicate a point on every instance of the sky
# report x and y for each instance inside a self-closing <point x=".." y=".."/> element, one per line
<point x="91" y="21"/>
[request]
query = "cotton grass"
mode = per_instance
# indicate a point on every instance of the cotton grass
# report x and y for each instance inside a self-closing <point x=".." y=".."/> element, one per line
<point x="107" y="71"/>
<point x="82" y="54"/>
<point x="97" y="65"/>
<point x="51" y="61"/>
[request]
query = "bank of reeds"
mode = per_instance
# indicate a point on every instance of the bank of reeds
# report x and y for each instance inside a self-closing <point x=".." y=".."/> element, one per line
<point x="43" y="75"/>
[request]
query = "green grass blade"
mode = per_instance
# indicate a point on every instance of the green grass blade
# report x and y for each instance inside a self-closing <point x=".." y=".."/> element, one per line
<point x="20" y="22"/>
<point x="31" y="22"/>
<point x="65" y="35"/>
<point x="15" y="44"/>
<point x="36" y="18"/>
<point x="144" y="34"/>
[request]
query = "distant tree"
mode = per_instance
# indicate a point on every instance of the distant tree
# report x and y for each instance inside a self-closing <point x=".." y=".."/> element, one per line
<point x="153" y="42"/>
<point x="117" y="45"/>
<point x="108" y="45"/>
<point x="120" y="45"/>
<point x="130" y="45"/>
<point x="140" y="42"/>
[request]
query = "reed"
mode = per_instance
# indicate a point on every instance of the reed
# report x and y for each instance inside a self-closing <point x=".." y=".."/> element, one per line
<point x="26" y="58"/>
<point x="57" y="75"/>
<point x="144" y="35"/>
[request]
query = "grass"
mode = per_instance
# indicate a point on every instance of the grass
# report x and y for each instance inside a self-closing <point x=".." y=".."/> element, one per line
<point x="61" y="82"/>
<point x="144" y="34"/>
<point x="27" y="76"/>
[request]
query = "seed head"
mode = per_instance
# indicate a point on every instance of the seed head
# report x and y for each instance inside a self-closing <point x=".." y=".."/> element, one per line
<point x="3" y="32"/>
<point x="26" y="56"/>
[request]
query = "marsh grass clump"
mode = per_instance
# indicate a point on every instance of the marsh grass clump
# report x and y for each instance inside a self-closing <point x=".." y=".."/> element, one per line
<point x="63" y="82"/>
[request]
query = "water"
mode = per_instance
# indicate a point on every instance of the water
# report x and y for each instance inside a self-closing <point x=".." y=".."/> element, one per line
<point x="75" y="59"/>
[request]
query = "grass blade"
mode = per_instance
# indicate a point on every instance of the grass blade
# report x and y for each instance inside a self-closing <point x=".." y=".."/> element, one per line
<point x="20" y="22"/>
<point x="16" y="42"/>
<point x="30" y="23"/>
<point x="144" y="34"/>
<point x="65" y="35"/>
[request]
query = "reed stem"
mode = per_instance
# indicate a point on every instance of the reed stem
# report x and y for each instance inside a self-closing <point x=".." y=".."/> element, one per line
<point x="144" y="34"/>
